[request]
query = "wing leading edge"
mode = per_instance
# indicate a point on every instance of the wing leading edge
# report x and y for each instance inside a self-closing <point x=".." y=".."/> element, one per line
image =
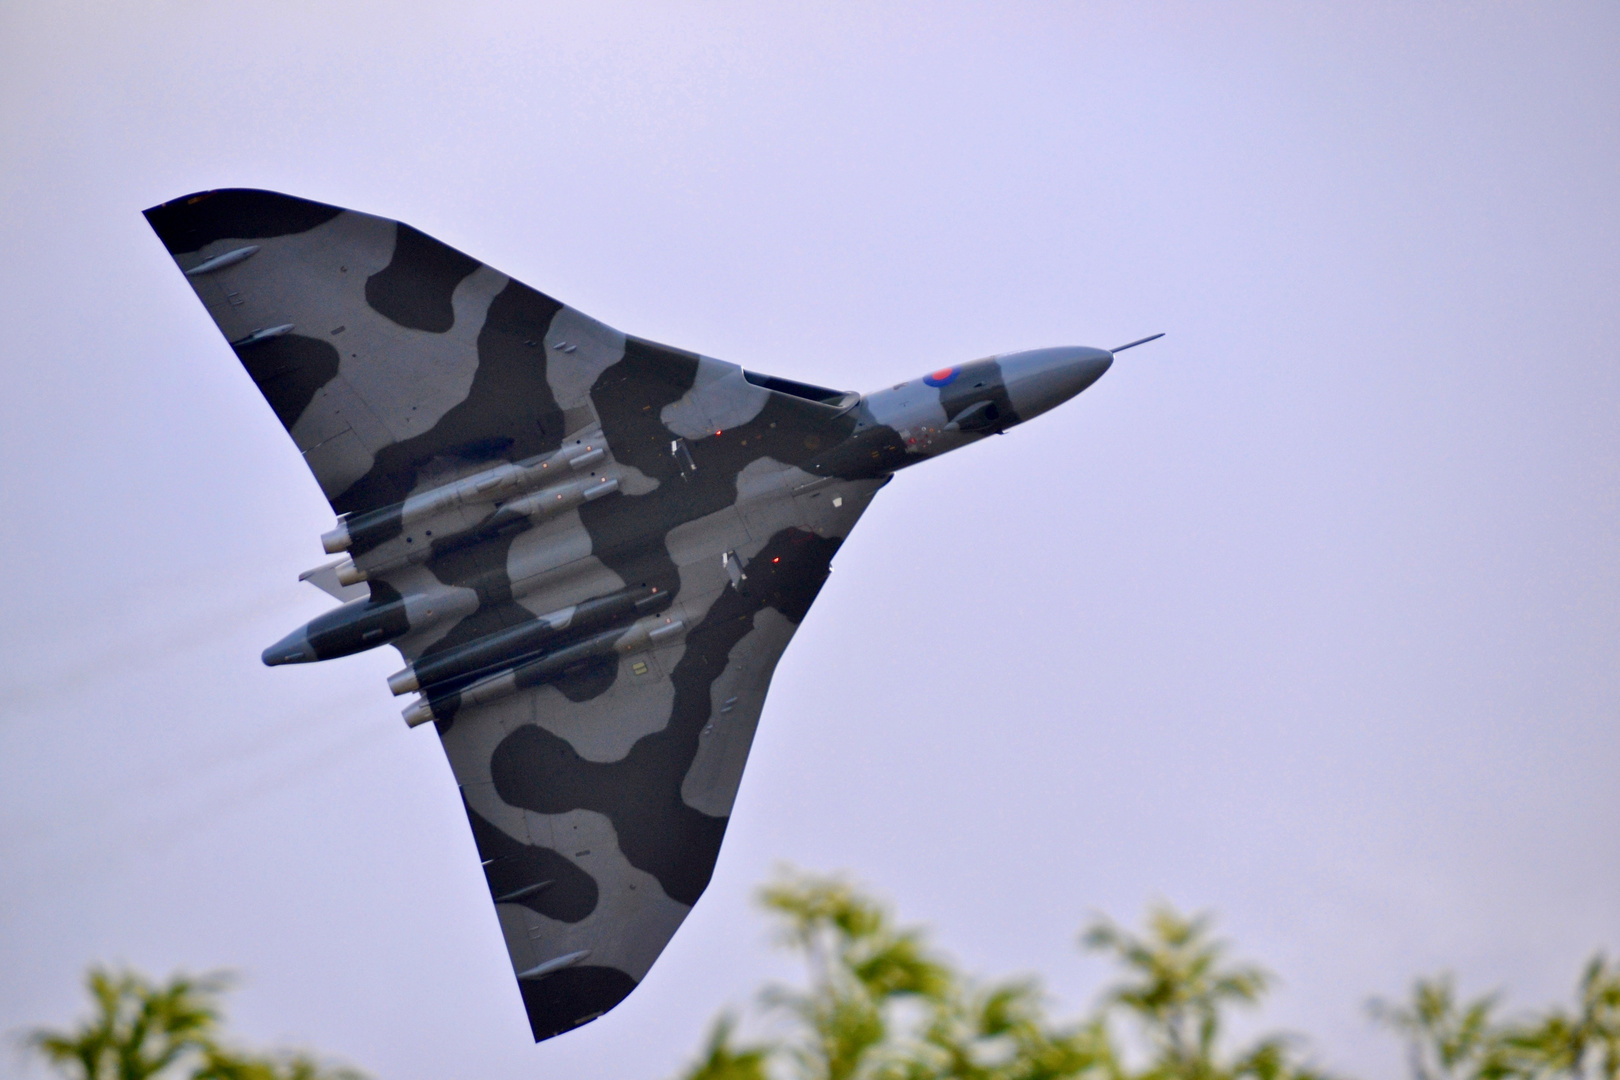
<point x="592" y="549"/>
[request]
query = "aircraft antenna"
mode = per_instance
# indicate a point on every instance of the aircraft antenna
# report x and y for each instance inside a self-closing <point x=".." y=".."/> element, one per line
<point x="1134" y="344"/>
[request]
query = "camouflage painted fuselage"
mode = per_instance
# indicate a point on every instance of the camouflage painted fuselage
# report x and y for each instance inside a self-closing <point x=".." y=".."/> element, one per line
<point x="590" y="549"/>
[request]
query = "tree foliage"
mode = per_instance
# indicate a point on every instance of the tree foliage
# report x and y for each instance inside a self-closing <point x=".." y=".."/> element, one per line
<point x="1451" y="1039"/>
<point x="722" y="1060"/>
<point x="880" y="1003"/>
<point x="138" y="1030"/>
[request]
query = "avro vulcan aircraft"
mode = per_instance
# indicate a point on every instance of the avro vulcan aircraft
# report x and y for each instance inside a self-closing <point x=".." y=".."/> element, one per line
<point x="590" y="549"/>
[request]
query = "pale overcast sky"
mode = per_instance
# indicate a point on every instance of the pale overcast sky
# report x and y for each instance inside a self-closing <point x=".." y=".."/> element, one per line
<point x="1308" y="613"/>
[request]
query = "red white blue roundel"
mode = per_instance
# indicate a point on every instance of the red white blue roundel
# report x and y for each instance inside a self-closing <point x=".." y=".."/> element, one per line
<point x="942" y="377"/>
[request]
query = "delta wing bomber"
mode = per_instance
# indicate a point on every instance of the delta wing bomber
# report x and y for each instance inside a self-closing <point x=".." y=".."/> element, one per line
<point x="590" y="549"/>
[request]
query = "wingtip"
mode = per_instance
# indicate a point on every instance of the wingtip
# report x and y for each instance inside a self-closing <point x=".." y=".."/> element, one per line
<point x="189" y="222"/>
<point x="183" y="200"/>
<point x="573" y="996"/>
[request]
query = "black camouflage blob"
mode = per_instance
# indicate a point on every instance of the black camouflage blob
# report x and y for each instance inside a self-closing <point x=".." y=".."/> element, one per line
<point x="566" y="999"/>
<point x="870" y="453"/>
<point x="508" y="413"/>
<point x="189" y="224"/>
<point x="375" y="528"/>
<point x="289" y="370"/>
<point x="641" y="793"/>
<point x="415" y="288"/>
<point x="593" y="678"/>
<point x="630" y="397"/>
<point x="626" y="533"/>
<point x="482" y="568"/>
<point x="979" y="383"/>
<point x="572" y="893"/>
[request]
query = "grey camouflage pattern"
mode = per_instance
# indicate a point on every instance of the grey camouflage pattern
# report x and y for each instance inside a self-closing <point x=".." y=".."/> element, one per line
<point x="591" y="549"/>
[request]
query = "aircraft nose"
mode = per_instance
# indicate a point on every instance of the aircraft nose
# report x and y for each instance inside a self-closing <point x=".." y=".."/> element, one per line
<point x="1045" y="378"/>
<point x="292" y="649"/>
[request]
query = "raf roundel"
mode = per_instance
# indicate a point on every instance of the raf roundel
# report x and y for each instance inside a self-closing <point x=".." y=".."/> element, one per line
<point x="942" y="377"/>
